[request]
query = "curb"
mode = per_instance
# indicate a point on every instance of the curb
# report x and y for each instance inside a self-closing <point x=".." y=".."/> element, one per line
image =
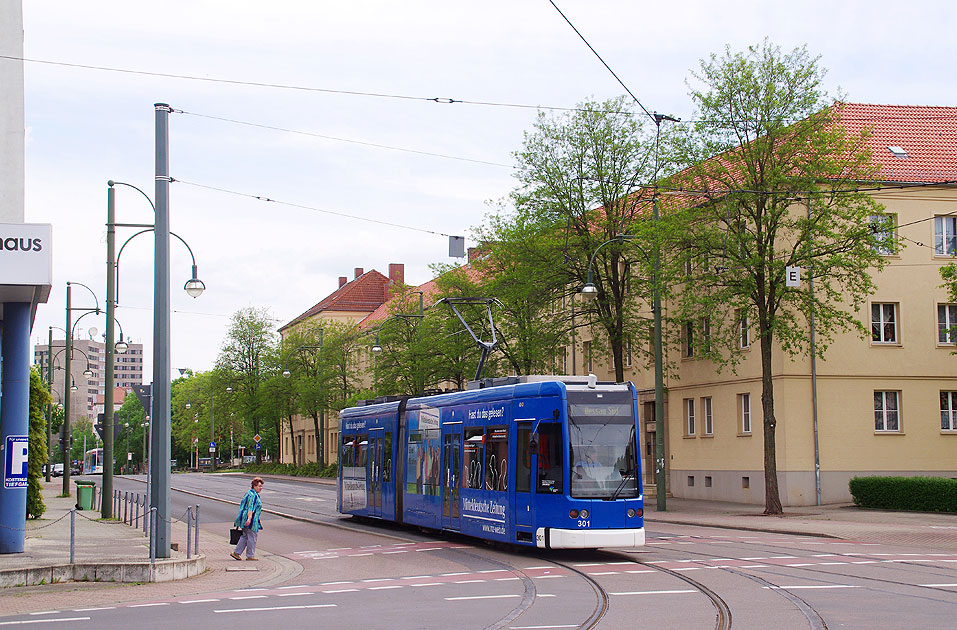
<point x="131" y="572"/>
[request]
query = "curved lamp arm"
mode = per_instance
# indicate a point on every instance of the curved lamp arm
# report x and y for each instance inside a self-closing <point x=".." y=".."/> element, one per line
<point x="95" y="300"/>
<point x="589" y="292"/>
<point x="194" y="287"/>
<point x="285" y="366"/>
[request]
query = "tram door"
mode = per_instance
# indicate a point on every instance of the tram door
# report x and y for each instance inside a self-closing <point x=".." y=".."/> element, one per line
<point x="527" y="458"/>
<point x="451" y="475"/>
<point x="377" y="475"/>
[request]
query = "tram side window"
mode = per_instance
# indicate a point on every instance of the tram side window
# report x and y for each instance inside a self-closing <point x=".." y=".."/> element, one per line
<point x="496" y="460"/>
<point x="348" y="461"/>
<point x="473" y="454"/>
<point x="523" y="470"/>
<point x="550" y="458"/>
<point x="387" y="458"/>
<point x="413" y="470"/>
<point x="362" y="450"/>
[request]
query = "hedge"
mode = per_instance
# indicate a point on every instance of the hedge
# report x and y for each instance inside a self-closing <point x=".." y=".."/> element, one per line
<point x="920" y="494"/>
<point x="312" y="469"/>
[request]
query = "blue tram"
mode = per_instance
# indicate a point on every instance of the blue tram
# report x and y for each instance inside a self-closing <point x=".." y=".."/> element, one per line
<point x="546" y="461"/>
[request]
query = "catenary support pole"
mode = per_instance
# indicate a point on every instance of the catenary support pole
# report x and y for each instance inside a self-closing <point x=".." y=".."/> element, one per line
<point x="67" y="386"/>
<point x="108" y="402"/>
<point x="161" y="338"/>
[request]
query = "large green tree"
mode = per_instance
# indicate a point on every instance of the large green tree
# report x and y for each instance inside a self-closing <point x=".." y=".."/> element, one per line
<point x="249" y="357"/>
<point x="776" y="175"/>
<point x="579" y="176"/>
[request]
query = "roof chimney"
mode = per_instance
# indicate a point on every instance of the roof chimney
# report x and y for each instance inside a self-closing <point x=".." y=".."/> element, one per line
<point x="342" y="281"/>
<point x="358" y="272"/>
<point x="397" y="273"/>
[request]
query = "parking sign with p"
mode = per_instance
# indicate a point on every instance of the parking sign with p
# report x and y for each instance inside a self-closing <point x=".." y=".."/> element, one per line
<point x="16" y="457"/>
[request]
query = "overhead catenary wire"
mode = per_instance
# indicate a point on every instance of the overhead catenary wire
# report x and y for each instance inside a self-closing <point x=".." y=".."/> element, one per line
<point x="311" y="208"/>
<point x="348" y="140"/>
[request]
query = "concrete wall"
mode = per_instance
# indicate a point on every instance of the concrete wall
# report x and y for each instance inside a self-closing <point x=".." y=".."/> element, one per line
<point x="11" y="113"/>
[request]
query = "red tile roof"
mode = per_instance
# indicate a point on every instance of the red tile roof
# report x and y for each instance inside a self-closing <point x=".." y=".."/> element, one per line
<point x="364" y="294"/>
<point x="928" y="136"/>
<point x="430" y="291"/>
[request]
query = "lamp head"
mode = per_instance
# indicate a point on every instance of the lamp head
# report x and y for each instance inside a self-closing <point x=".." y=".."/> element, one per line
<point x="194" y="287"/>
<point x="286" y="373"/>
<point x="88" y="372"/>
<point x="188" y="405"/>
<point x="589" y="292"/>
<point x="229" y="389"/>
<point x="120" y="347"/>
<point x="74" y="388"/>
<point x="377" y="349"/>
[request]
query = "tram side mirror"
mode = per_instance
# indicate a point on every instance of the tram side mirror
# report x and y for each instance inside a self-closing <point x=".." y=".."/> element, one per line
<point x="533" y="443"/>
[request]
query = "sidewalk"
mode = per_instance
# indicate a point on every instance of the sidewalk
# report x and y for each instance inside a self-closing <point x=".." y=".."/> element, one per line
<point x="843" y="521"/>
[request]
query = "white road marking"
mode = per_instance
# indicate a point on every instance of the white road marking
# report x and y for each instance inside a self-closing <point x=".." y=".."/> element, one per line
<point x="336" y="583"/>
<point x="605" y="573"/>
<point x="814" y="586"/>
<point x="429" y="584"/>
<point x="356" y="555"/>
<point x="429" y="549"/>
<point x="266" y="609"/>
<point x="545" y="577"/>
<point x="92" y="609"/>
<point x="21" y="623"/>
<point x="147" y="605"/>
<point x="804" y="564"/>
<point x="250" y="597"/>
<point x="385" y="553"/>
<point x="455" y="599"/>
<point x="534" y="568"/>
<point x="283" y="588"/>
<point x="654" y="592"/>
<point x="293" y="594"/>
<point x="382" y="588"/>
<point x="830" y="563"/>
<point x="46" y="612"/>
<point x="753" y="566"/>
<point x="938" y="585"/>
<point x="641" y="571"/>
<point x="199" y="601"/>
<point x="508" y="579"/>
<point x="376" y="580"/>
<point x="410" y="577"/>
<point x="342" y="590"/>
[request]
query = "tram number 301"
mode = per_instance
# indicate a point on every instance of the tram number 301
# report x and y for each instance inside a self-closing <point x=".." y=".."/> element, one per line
<point x="584" y="523"/>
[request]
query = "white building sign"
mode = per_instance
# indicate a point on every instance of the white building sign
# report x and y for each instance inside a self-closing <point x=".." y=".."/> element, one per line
<point x="26" y="254"/>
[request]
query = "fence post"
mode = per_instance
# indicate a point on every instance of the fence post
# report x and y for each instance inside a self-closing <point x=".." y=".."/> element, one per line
<point x="189" y="524"/>
<point x="137" y="521"/>
<point x="72" y="535"/>
<point x="144" y="514"/>
<point x="196" y="528"/>
<point x="152" y="535"/>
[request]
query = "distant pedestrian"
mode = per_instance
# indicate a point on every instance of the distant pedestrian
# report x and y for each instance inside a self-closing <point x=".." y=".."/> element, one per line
<point x="248" y="518"/>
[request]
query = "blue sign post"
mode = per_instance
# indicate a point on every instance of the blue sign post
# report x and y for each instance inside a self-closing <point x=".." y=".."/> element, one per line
<point x="15" y="410"/>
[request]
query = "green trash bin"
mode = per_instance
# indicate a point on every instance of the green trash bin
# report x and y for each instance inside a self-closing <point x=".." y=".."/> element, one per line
<point x="84" y="494"/>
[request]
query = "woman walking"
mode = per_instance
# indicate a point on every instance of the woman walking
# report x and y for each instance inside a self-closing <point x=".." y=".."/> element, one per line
<point x="248" y="518"/>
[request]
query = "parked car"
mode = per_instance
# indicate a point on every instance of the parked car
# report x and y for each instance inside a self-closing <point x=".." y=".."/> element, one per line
<point x="57" y="470"/>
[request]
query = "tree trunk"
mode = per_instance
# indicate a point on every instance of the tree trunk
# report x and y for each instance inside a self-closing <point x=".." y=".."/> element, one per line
<point x="772" y="498"/>
<point x="292" y="441"/>
<point x="318" y="434"/>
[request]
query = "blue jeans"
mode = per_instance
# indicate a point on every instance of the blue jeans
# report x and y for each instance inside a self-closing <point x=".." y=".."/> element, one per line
<point x="248" y="542"/>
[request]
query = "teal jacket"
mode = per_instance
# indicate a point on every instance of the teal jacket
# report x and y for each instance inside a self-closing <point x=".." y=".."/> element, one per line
<point x="250" y="502"/>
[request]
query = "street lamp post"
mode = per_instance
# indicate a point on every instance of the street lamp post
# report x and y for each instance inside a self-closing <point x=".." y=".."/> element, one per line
<point x="67" y="430"/>
<point x="589" y="292"/>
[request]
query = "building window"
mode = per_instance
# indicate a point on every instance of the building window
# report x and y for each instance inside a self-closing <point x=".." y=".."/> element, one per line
<point x="689" y="416"/>
<point x="744" y="336"/>
<point x="948" y="411"/>
<point x="689" y="339"/>
<point x="884" y="323"/>
<point x="945" y="236"/>
<point x="586" y="350"/>
<point x="708" y="416"/>
<point x="744" y="405"/>
<point x="946" y="322"/>
<point x="887" y="411"/>
<point x="884" y="233"/>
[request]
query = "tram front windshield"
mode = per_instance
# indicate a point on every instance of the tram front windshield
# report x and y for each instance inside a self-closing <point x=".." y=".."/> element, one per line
<point x="601" y="430"/>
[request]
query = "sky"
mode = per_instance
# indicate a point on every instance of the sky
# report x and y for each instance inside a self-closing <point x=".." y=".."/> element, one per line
<point x="87" y="126"/>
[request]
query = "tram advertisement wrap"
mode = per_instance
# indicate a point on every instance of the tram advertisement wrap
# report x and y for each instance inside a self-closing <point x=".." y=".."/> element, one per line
<point x="490" y="512"/>
<point x="354" y="493"/>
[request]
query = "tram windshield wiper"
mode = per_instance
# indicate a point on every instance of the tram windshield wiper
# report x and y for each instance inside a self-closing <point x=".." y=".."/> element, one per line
<point x="625" y="476"/>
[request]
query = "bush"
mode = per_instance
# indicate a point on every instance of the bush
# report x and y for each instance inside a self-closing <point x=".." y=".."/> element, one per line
<point x="312" y="469"/>
<point x="39" y="399"/>
<point x="920" y="494"/>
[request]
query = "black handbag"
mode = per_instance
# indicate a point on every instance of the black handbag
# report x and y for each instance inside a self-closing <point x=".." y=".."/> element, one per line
<point x="234" y="535"/>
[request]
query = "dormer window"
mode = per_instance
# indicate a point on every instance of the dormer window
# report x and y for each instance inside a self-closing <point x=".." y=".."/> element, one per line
<point x="898" y="152"/>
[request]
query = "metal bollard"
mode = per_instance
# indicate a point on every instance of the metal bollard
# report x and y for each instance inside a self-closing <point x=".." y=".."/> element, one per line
<point x="137" y="512"/>
<point x="189" y="539"/>
<point x="152" y="535"/>
<point x="126" y="503"/>
<point x="196" y="528"/>
<point x="72" y="535"/>
<point x="144" y="515"/>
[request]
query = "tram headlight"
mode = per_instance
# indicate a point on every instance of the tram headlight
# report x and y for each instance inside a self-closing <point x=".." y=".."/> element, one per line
<point x="573" y="514"/>
<point x="584" y="514"/>
<point x="631" y="512"/>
